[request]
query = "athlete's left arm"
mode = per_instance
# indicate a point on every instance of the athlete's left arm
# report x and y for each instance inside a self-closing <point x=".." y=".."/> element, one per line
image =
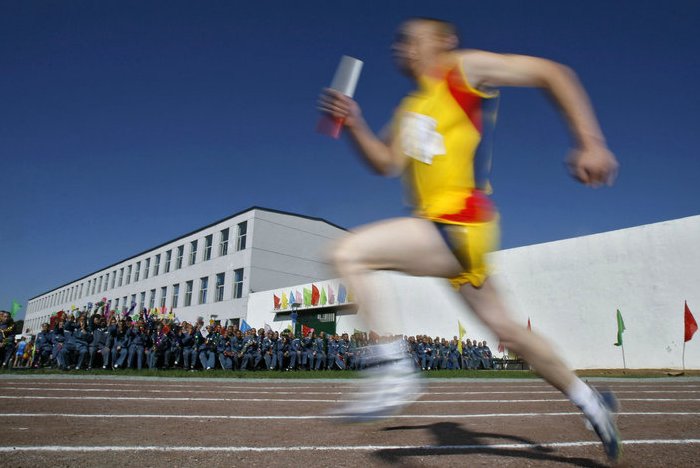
<point x="591" y="162"/>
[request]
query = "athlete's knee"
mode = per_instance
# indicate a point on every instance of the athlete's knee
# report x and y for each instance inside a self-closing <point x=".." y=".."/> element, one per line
<point x="344" y="255"/>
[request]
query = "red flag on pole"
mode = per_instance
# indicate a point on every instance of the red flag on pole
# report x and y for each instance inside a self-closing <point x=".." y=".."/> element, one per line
<point x="276" y="301"/>
<point x="306" y="330"/>
<point x="501" y="348"/>
<point x="315" y="295"/>
<point x="691" y="326"/>
<point x="529" y="327"/>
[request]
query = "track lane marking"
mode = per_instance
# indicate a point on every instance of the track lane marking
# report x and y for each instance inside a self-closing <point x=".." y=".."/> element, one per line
<point x="325" y="416"/>
<point x="333" y="448"/>
<point x="275" y="392"/>
<point x="302" y="400"/>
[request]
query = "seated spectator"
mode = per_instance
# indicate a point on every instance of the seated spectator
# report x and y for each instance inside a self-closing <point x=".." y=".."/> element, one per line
<point x="42" y="347"/>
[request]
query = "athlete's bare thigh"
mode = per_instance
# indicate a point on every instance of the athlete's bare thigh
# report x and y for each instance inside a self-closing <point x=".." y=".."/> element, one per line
<point x="411" y="245"/>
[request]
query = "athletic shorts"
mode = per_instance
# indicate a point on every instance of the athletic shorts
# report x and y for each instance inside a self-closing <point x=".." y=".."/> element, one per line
<point x="470" y="243"/>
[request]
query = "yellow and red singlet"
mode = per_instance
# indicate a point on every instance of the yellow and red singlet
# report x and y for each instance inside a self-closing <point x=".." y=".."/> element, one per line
<point x="445" y="128"/>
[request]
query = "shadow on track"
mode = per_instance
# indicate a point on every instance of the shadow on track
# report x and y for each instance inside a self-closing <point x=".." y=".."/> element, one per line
<point x="449" y="434"/>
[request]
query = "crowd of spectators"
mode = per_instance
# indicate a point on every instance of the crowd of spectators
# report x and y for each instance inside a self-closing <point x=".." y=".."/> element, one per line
<point x="110" y="341"/>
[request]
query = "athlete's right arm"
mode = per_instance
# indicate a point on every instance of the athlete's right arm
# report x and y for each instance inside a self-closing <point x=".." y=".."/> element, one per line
<point x="380" y="154"/>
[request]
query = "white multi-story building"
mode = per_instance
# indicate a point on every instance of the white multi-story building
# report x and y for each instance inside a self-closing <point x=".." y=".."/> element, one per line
<point x="208" y="272"/>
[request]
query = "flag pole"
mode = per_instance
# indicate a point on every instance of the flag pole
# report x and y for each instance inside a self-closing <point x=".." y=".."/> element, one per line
<point x="624" y="363"/>
<point x="684" y="357"/>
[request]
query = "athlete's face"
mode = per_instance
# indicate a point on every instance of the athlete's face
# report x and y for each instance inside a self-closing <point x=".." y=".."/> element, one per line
<point x="416" y="45"/>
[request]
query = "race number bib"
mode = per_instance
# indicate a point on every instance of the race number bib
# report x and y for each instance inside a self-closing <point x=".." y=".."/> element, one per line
<point x="419" y="139"/>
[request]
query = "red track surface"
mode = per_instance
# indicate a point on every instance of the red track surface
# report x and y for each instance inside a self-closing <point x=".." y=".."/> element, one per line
<point x="56" y="421"/>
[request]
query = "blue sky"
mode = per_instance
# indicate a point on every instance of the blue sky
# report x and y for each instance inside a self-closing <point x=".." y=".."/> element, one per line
<point x="126" y="123"/>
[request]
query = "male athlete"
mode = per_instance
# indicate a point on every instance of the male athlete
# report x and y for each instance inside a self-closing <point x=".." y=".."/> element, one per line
<point x="439" y="142"/>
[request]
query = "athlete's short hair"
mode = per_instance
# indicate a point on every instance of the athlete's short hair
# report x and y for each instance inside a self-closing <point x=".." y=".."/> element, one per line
<point x="442" y="27"/>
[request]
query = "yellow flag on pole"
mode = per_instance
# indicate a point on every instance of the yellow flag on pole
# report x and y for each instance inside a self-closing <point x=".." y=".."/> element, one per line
<point x="462" y="333"/>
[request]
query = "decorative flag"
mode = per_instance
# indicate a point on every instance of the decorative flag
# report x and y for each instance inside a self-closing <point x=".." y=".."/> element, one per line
<point x="297" y="298"/>
<point x="462" y="331"/>
<point x="285" y="301"/>
<point x="14" y="309"/>
<point x="276" y="301"/>
<point x="315" y="295"/>
<point x="691" y="326"/>
<point x="331" y="297"/>
<point x="268" y="328"/>
<point x="501" y="348"/>
<point x="350" y="297"/>
<point x="529" y="326"/>
<point x="290" y="328"/>
<point x="307" y="297"/>
<point x="244" y="326"/>
<point x="341" y="293"/>
<point x="620" y="328"/>
<point x="305" y="331"/>
<point x="324" y="299"/>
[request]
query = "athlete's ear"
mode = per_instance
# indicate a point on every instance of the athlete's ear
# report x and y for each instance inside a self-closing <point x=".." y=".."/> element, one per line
<point x="450" y="41"/>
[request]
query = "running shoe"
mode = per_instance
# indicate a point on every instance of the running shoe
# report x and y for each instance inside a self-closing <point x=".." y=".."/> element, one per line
<point x="386" y="389"/>
<point x="605" y="425"/>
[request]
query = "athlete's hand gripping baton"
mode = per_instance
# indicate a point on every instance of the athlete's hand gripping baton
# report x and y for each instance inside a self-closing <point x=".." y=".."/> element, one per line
<point x="345" y="81"/>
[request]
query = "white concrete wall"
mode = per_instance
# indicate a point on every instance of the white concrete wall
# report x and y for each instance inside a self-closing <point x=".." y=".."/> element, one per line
<point x="570" y="289"/>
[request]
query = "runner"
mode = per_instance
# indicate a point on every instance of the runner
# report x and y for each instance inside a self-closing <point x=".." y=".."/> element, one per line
<point x="439" y="142"/>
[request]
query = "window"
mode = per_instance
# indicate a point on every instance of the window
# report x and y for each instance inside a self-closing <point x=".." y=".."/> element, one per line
<point x="219" y="295"/>
<point x="146" y="268"/>
<point x="156" y="267"/>
<point x="128" y="274"/>
<point x="121" y="277"/>
<point x="114" y="278"/>
<point x="163" y="295"/>
<point x="142" y="301"/>
<point x="152" y="299"/>
<point x="188" y="293"/>
<point x="99" y="288"/>
<point x="168" y="256"/>
<point x="180" y="253"/>
<point x="193" y="252"/>
<point x="94" y="283"/>
<point x="116" y="304"/>
<point x="242" y="232"/>
<point x="238" y="283"/>
<point x="203" y="284"/>
<point x="136" y="271"/>
<point x="124" y="304"/>
<point x="223" y="243"/>
<point x="207" y="246"/>
<point x="87" y="291"/>
<point x="133" y="301"/>
<point x="176" y="293"/>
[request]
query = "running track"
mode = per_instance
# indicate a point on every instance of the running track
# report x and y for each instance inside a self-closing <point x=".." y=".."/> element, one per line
<point x="111" y="421"/>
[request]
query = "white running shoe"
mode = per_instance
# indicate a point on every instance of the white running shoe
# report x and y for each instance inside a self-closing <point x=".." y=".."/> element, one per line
<point x="385" y="389"/>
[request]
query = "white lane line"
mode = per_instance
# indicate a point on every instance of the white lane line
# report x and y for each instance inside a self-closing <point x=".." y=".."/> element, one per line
<point x="276" y="392"/>
<point x="331" y="383"/>
<point x="297" y="400"/>
<point x="333" y="448"/>
<point x="204" y="417"/>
